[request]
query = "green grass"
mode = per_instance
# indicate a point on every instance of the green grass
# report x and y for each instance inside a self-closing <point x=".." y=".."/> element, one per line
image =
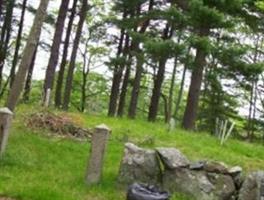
<point x="38" y="167"/>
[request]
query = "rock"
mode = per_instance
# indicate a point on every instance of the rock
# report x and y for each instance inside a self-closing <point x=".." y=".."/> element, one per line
<point x="238" y="180"/>
<point x="172" y="158"/>
<point x="139" y="165"/>
<point x="198" y="184"/>
<point x="216" y="167"/>
<point x="197" y="165"/>
<point x="235" y="170"/>
<point x="253" y="187"/>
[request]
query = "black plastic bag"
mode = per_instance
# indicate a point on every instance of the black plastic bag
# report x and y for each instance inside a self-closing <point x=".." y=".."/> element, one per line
<point x="144" y="192"/>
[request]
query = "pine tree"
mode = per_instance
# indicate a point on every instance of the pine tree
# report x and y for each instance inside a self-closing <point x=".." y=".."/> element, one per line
<point x="55" y="48"/>
<point x="68" y="84"/>
<point x="28" y="53"/>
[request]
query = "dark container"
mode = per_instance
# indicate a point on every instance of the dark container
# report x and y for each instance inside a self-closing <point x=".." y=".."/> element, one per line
<point x="144" y="192"/>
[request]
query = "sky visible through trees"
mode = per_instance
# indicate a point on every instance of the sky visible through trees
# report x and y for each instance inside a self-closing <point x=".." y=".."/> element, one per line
<point x="197" y="61"/>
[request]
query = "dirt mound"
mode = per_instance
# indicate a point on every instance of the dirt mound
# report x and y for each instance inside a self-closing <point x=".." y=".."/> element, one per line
<point x="57" y="124"/>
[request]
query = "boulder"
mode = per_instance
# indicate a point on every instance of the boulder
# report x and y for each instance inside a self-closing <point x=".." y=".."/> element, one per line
<point x="216" y="167"/>
<point x="139" y="165"/>
<point x="198" y="184"/>
<point x="172" y="158"/>
<point x="236" y="173"/>
<point x="197" y="165"/>
<point x="253" y="187"/>
<point x="235" y="170"/>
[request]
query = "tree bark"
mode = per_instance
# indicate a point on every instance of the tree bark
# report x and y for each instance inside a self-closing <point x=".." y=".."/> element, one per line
<point x="55" y="48"/>
<point x="85" y="73"/>
<point x="122" y="100"/>
<point x="118" y="70"/>
<point x="180" y="94"/>
<point x="154" y="103"/>
<point x="139" y="69"/>
<point x="27" y="87"/>
<point x="18" y="43"/>
<point x="68" y="85"/>
<point x="5" y="36"/>
<point x="190" y="113"/>
<point x="28" y="53"/>
<point x="59" y="84"/>
<point x="136" y="87"/>
<point x="171" y="91"/>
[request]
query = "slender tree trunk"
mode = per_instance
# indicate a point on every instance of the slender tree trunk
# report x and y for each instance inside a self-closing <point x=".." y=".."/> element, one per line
<point x="139" y="69"/>
<point x="68" y="85"/>
<point x="190" y="113"/>
<point x="85" y="73"/>
<point x="172" y="86"/>
<point x="158" y="81"/>
<point x="5" y="36"/>
<point x="55" y="48"/>
<point x="165" y="101"/>
<point x="28" y="53"/>
<point x="59" y="85"/>
<point x="27" y="87"/>
<point x="117" y="75"/>
<point x="136" y="87"/>
<point x="154" y="103"/>
<point x="18" y="43"/>
<point x="122" y="100"/>
<point x="254" y="109"/>
<point x="180" y="94"/>
<point x="252" y="102"/>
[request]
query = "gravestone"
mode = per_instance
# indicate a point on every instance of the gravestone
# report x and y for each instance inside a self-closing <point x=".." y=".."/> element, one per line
<point x="172" y="124"/>
<point x="95" y="163"/>
<point x="5" y="121"/>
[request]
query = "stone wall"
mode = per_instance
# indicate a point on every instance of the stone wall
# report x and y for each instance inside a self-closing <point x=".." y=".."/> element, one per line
<point x="203" y="180"/>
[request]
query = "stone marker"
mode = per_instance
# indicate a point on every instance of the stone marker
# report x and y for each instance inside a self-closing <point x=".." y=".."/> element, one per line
<point x="253" y="187"/>
<point x="95" y="163"/>
<point x="172" y="124"/>
<point x="139" y="165"/>
<point x="5" y="121"/>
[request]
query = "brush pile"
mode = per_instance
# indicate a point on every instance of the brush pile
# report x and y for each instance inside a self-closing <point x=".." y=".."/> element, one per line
<point x="58" y="125"/>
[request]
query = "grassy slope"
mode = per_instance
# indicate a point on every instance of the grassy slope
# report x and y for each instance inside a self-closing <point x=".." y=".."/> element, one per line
<point x="38" y="167"/>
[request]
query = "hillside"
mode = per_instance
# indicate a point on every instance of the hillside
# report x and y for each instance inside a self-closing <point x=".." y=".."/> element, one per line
<point x="42" y="167"/>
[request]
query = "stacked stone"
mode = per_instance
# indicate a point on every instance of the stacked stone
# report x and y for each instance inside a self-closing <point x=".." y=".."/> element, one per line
<point x="202" y="180"/>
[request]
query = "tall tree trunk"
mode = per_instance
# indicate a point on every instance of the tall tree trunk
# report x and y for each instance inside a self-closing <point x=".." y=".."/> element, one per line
<point x="5" y="36"/>
<point x="136" y="86"/>
<point x="55" y="48"/>
<point x="139" y="68"/>
<point x="254" y="109"/>
<point x="165" y="101"/>
<point x="68" y="85"/>
<point x="154" y="103"/>
<point x="59" y="84"/>
<point x="118" y="70"/>
<point x="18" y="43"/>
<point x="27" y="87"/>
<point x="190" y="113"/>
<point x="180" y="94"/>
<point x="28" y="53"/>
<point x="85" y="73"/>
<point x="171" y="91"/>
<point x="122" y="100"/>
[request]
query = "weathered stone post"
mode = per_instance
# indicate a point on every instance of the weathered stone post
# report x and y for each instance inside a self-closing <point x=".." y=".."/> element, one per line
<point x="95" y="163"/>
<point x="5" y="121"/>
